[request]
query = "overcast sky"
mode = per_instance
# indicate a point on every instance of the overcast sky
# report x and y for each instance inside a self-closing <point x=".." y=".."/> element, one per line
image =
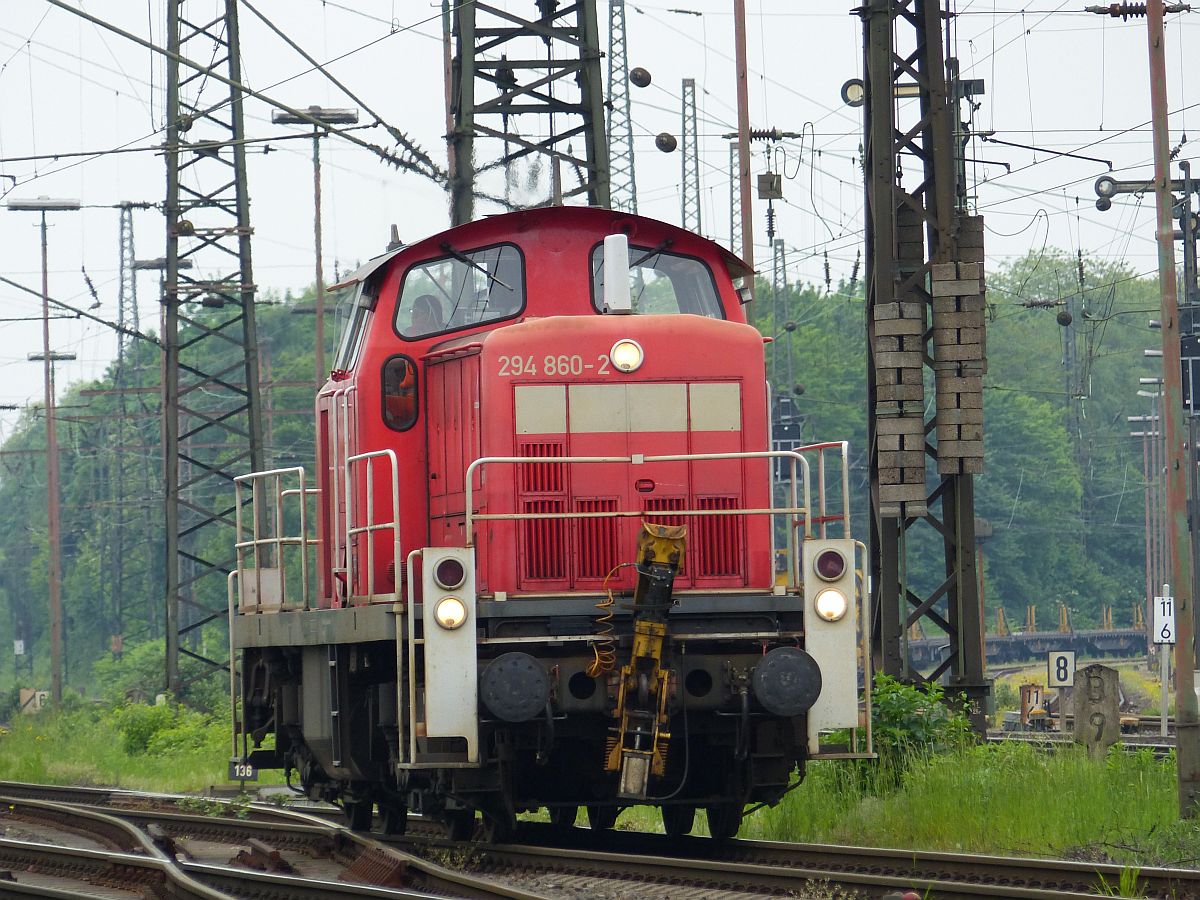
<point x="1056" y="78"/>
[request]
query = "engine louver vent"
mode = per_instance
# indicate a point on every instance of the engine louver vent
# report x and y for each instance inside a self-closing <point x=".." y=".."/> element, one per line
<point x="717" y="541"/>
<point x="596" y="539"/>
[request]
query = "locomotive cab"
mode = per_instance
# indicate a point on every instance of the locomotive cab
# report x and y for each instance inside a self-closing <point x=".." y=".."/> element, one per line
<point x="548" y="515"/>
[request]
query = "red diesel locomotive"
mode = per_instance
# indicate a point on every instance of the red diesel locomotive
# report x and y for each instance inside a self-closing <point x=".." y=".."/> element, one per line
<point x="558" y="562"/>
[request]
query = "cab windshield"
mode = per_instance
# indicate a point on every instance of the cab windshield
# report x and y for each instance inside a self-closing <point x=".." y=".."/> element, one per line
<point x="463" y="289"/>
<point x="351" y="313"/>
<point x="662" y="283"/>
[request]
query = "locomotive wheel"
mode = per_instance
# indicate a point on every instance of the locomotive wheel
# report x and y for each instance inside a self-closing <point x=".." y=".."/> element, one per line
<point x="395" y="818"/>
<point x="678" y="820"/>
<point x="724" y="820"/>
<point x="499" y="829"/>
<point x="601" y="818"/>
<point x="461" y="824"/>
<point x="563" y="816"/>
<point x="358" y="814"/>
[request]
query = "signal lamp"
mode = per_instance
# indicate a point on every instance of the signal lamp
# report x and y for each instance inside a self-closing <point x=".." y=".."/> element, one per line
<point x="451" y="612"/>
<point x="829" y="565"/>
<point x="626" y="355"/>
<point x="449" y="573"/>
<point x="831" y="605"/>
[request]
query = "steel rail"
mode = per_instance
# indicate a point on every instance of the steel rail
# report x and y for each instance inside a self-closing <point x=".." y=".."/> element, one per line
<point x="97" y="824"/>
<point x="874" y="872"/>
<point x="1052" y="740"/>
<point x="98" y="866"/>
<point x="281" y="828"/>
<point x="768" y="866"/>
<point x="243" y="883"/>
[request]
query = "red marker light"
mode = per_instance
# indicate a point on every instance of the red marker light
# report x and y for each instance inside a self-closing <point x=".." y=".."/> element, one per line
<point x="449" y="573"/>
<point x="830" y="565"/>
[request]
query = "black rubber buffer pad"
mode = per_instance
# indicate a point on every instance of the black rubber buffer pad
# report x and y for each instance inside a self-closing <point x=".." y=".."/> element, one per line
<point x="787" y="681"/>
<point x="515" y="687"/>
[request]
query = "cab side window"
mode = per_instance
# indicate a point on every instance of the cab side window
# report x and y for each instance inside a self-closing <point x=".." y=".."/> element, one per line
<point x="400" y="398"/>
<point x="461" y="290"/>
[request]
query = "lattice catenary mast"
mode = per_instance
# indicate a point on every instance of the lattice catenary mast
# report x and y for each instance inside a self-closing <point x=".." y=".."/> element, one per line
<point x="498" y="73"/>
<point x="622" y="175"/>
<point x="211" y="416"/>
<point x="925" y="309"/>
<point x="689" y="194"/>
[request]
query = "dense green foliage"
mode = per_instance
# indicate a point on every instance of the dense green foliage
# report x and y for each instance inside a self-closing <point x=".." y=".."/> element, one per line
<point x="1066" y="508"/>
<point x="910" y="719"/>
<point x="113" y="521"/>
<point x="139" y="746"/>
<point x="1002" y="799"/>
<point x="1064" y="503"/>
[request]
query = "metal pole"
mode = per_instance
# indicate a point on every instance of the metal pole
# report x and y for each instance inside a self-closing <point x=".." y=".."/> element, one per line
<point x="1177" y="455"/>
<point x="1193" y="512"/>
<point x="462" y="103"/>
<point x="320" y="287"/>
<point x="169" y="379"/>
<point x="52" y="507"/>
<point x="743" y="115"/>
<point x="1164" y="676"/>
<point x="1149" y="542"/>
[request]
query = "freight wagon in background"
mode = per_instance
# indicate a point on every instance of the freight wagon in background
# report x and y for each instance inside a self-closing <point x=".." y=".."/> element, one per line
<point x="547" y="534"/>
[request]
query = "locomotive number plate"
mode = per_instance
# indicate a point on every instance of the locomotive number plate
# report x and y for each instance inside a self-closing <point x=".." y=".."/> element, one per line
<point x="560" y="365"/>
<point x="240" y="770"/>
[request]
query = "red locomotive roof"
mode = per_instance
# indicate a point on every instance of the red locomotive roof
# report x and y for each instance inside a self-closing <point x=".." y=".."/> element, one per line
<point x="547" y="220"/>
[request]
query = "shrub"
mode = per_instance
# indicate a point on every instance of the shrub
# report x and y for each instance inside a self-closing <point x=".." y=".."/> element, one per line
<point x="911" y="717"/>
<point x="910" y="724"/>
<point x="192" y="732"/>
<point x="139" y="724"/>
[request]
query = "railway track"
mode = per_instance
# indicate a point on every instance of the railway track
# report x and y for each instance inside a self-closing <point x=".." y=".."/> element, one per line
<point x="137" y="842"/>
<point x="663" y="867"/>
<point x="1051" y="740"/>
<point x="120" y="844"/>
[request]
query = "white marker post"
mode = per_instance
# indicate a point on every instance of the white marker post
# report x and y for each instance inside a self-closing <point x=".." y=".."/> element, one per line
<point x="1164" y="636"/>
<point x="1060" y="674"/>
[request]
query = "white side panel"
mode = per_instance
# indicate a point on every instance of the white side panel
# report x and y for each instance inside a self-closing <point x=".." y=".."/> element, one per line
<point x="451" y="666"/>
<point x="633" y="407"/>
<point x="834" y="645"/>
<point x="260" y="590"/>
<point x="716" y="407"/>
<point x="541" y="408"/>
<point x="661" y="406"/>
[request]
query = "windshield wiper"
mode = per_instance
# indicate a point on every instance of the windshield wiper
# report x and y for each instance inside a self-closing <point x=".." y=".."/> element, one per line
<point x="651" y="253"/>
<point x="462" y="257"/>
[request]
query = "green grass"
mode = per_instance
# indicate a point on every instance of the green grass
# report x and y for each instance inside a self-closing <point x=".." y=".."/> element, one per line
<point x="996" y="799"/>
<point x="180" y="751"/>
<point x="1006" y="799"/>
<point x="1000" y="799"/>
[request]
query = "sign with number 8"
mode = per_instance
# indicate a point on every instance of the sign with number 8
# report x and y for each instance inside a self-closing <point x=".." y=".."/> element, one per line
<point x="1060" y="668"/>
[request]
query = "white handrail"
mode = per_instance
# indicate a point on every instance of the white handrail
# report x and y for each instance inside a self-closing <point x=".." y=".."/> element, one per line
<point x="237" y="726"/>
<point x="792" y="456"/>
<point x="256" y="480"/>
<point x="352" y="530"/>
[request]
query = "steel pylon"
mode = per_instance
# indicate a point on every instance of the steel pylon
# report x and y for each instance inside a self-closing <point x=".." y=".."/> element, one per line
<point x="211" y="416"/>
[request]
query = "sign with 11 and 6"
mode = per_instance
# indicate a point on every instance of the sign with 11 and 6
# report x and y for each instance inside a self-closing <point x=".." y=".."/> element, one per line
<point x="1164" y="620"/>
<point x="1060" y="668"/>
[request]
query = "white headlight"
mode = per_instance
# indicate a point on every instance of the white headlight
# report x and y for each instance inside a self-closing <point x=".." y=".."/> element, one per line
<point x="831" y="604"/>
<point x="626" y="355"/>
<point x="450" y="613"/>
